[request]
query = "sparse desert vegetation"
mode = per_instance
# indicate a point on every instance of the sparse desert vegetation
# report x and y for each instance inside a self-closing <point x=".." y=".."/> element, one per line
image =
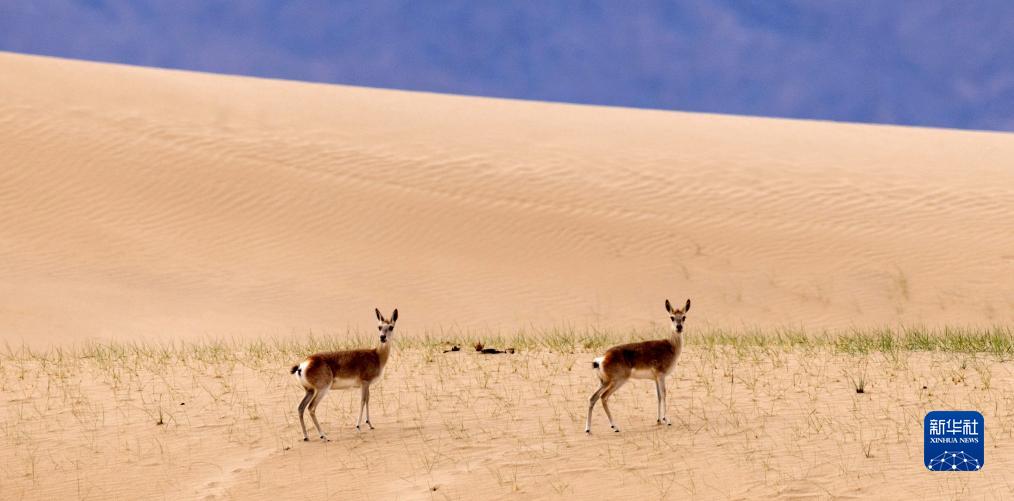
<point x="217" y="418"/>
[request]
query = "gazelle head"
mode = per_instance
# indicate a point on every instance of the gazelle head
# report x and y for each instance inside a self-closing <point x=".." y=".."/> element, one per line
<point x="677" y="316"/>
<point x="386" y="326"/>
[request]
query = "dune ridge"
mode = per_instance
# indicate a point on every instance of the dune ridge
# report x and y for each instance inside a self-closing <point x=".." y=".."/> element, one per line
<point x="144" y="203"/>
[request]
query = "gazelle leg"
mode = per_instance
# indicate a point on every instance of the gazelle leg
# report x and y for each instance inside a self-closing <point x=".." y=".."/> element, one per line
<point x="613" y="386"/>
<point x="662" y="401"/>
<point x="658" y="397"/>
<point x="591" y="405"/>
<point x="313" y="411"/>
<point x="366" y="395"/>
<point x="302" y="407"/>
<point x="363" y="398"/>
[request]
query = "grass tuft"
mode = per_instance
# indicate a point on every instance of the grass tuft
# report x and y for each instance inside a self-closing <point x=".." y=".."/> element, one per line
<point x="997" y="341"/>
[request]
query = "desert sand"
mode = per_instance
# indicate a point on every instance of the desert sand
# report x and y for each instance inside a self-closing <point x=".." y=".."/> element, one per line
<point x="149" y="203"/>
<point x="747" y="424"/>
<point x="155" y="212"/>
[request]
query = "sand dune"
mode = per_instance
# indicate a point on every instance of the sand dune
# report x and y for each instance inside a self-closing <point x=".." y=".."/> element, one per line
<point x="144" y="204"/>
<point x="150" y="203"/>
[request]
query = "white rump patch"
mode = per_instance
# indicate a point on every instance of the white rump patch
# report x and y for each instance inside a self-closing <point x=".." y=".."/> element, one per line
<point x="599" y="371"/>
<point x="301" y="374"/>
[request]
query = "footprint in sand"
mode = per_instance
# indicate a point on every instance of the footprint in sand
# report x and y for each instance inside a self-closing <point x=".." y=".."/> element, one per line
<point x="217" y="485"/>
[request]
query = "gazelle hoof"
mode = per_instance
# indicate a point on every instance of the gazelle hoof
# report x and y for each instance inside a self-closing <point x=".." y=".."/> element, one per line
<point x="306" y="439"/>
<point x="587" y="430"/>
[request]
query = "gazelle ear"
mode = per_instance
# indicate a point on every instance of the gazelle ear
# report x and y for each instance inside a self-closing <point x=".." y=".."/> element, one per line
<point x="394" y="316"/>
<point x="379" y="317"/>
<point x="687" y="308"/>
<point x="668" y="306"/>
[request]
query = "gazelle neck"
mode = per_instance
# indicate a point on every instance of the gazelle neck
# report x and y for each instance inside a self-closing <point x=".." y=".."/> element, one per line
<point x="384" y="350"/>
<point x="676" y="338"/>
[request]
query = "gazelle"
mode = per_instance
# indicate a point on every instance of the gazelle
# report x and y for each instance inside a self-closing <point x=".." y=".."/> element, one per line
<point x="645" y="360"/>
<point x="321" y="372"/>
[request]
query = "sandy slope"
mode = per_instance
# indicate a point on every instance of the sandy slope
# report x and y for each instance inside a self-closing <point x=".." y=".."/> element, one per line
<point x="464" y="426"/>
<point x="141" y="202"/>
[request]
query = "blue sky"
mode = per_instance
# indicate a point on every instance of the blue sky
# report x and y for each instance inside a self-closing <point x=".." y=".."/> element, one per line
<point x="930" y="63"/>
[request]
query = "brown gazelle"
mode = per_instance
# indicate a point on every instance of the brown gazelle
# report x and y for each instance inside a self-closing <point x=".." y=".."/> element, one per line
<point x="646" y="360"/>
<point x="322" y="372"/>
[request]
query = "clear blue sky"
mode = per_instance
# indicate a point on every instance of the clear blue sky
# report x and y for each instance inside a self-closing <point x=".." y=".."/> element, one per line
<point x="926" y="62"/>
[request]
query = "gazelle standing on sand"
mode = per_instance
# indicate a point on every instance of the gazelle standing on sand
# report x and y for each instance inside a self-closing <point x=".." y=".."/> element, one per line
<point x="646" y="360"/>
<point x="321" y="372"/>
